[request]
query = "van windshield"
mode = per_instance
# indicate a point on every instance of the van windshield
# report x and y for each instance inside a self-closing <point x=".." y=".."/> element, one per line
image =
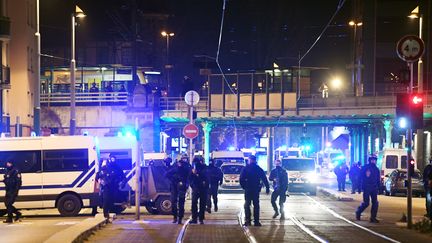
<point x="299" y="164"/>
<point x="221" y="161"/>
<point x="232" y="169"/>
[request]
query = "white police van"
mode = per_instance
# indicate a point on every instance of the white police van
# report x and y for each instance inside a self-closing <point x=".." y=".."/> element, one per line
<point x="57" y="172"/>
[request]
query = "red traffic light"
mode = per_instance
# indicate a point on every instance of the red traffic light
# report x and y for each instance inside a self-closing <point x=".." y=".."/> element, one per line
<point x="416" y="99"/>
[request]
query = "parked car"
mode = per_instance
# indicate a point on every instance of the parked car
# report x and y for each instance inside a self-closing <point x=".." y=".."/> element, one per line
<point x="395" y="183"/>
<point x="231" y="175"/>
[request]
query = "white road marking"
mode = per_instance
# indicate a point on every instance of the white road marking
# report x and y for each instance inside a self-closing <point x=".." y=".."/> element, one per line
<point x="182" y="232"/>
<point x="349" y="221"/>
<point x="140" y="222"/>
<point x="306" y="229"/>
<point x="67" y="223"/>
<point x="245" y="229"/>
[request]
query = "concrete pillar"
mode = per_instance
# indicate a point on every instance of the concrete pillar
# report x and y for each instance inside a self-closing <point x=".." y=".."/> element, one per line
<point x="419" y="149"/>
<point x="269" y="148"/>
<point x="352" y="145"/>
<point x="207" y="127"/>
<point x="372" y="136"/>
<point x="388" y="126"/>
<point x="365" y="143"/>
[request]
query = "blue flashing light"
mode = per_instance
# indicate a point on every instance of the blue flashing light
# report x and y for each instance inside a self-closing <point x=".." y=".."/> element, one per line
<point x="283" y="147"/>
<point x="403" y="122"/>
<point x="119" y="134"/>
<point x="339" y="157"/>
<point x="307" y="147"/>
<point x="128" y="134"/>
<point x="231" y="148"/>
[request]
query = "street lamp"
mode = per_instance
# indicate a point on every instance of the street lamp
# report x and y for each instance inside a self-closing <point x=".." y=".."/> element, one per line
<point x="355" y="73"/>
<point x="167" y="35"/>
<point x="415" y="14"/>
<point x="78" y="13"/>
<point x="336" y="83"/>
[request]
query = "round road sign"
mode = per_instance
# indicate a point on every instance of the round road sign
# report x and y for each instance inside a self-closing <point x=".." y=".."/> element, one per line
<point x="410" y="48"/>
<point x="192" y="98"/>
<point x="190" y="131"/>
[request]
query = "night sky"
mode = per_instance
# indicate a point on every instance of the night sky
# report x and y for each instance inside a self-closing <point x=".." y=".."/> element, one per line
<point x="256" y="33"/>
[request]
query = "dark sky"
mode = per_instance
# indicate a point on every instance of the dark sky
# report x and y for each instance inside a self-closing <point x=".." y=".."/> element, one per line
<point x="256" y="33"/>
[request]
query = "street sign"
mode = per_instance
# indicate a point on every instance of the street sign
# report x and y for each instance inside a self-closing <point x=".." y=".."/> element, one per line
<point x="192" y="98"/>
<point x="410" y="48"/>
<point x="190" y="131"/>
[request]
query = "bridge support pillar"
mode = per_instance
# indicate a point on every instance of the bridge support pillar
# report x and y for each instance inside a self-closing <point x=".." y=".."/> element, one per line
<point x="388" y="126"/>
<point x="365" y="143"/>
<point x="207" y="128"/>
<point x="270" y="134"/>
<point x="352" y="143"/>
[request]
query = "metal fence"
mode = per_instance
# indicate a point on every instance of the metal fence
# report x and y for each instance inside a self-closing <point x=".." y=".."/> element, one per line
<point x="90" y="98"/>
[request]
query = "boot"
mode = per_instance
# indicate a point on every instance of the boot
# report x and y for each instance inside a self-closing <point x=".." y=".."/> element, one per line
<point x="215" y="207"/>
<point x="208" y="210"/>
<point x="174" y="220"/>
<point x="18" y="216"/>
<point x="8" y="220"/>
<point x="179" y="221"/>
<point x="374" y="220"/>
<point x="282" y="216"/>
<point x="275" y="214"/>
<point x="193" y="221"/>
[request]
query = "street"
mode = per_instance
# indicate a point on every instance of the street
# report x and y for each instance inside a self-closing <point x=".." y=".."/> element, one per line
<point x="309" y="219"/>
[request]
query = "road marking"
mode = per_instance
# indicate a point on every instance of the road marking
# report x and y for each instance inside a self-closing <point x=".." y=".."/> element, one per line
<point x="245" y="229"/>
<point x="67" y="223"/>
<point x="306" y="229"/>
<point x="349" y="221"/>
<point x="182" y="233"/>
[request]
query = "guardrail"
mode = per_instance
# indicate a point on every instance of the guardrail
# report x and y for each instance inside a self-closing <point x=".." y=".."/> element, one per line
<point x="82" y="99"/>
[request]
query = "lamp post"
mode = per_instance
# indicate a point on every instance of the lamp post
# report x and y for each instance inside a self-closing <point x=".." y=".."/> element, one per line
<point x="355" y="67"/>
<point x="36" y="109"/>
<point x="168" y="66"/>
<point x="415" y="14"/>
<point x="78" y="13"/>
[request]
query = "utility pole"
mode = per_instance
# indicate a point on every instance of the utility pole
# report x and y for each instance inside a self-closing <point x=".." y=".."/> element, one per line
<point x="36" y="110"/>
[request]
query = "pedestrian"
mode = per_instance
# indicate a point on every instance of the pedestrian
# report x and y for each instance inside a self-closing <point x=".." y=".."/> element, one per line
<point x="279" y="177"/>
<point x="94" y="88"/>
<point x="251" y="178"/>
<point x="178" y="177"/>
<point x="427" y="174"/>
<point x="199" y="183"/>
<point x="354" y="175"/>
<point x="111" y="178"/>
<point x="12" y="181"/>
<point x="341" y="171"/>
<point x="370" y="181"/>
<point x="216" y="178"/>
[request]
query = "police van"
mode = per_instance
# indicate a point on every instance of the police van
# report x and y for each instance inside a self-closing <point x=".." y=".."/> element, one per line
<point x="57" y="172"/>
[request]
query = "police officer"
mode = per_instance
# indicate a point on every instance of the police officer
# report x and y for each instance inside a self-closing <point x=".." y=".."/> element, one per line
<point x="199" y="183"/>
<point x="110" y="178"/>
<point x="178" y="176"/>
<point x="341" y="171"/>
<point x="427" y="173"/>
<point x="279" y="177"/>
<point x="354" y="174"/>
<point x="216" y="178"/>
<point x="12" y="181"/>
<point x="250" y="180"/>
<point x="370" y="181"/>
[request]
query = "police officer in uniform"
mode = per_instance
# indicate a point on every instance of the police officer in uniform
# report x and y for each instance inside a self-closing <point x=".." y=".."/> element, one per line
<point x="178" y="176"/>
<point x="370" y="181"/>
<point x="427" y="173"/>
<point x="279" y="177"/>
<point x="12" y="181"/>
<point x="216" y="178"/>
<point x="110" y="178"/>
<point x="251" y="178"/>
<point x="199" y="183"/>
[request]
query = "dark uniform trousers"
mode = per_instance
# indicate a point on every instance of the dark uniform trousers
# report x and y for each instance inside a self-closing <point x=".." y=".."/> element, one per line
<point x="107" y="201"/>
<point x="178" y="198"/>
<point x="212" y="194"/>
<point x="373" y="195"/>
<point x="201" y="195"/>
<point x="282" y="198"/>
<point x="252" y="196"/>
<point x="10" y="198"/>
<point x="341" y="182"/>
<point x="355" y="185"/>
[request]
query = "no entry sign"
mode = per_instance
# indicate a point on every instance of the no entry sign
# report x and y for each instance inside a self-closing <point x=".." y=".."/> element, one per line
<point x="190" y="131"/>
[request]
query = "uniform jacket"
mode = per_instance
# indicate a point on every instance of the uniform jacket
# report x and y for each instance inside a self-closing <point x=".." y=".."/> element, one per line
<point x="251" y="177"/>
<point x="199" y="180"/>
<point x="370" y="177"/>
<point x="354" y="172"/>
<point x="178" y="176"/>
<point x="12" y="179"/>
<point x="215" y="174"/>
<point x="341" y="171"/>
<point x="279" y="176"/>
<point x="110" y="176"/>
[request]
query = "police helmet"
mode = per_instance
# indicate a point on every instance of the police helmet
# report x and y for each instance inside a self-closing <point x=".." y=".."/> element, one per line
<point x="372" y="157"/>
<point x="252" y="158"/>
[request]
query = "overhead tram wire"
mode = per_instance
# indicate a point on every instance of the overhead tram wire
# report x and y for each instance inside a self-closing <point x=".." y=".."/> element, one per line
<point x="340" y="5"/>
<point x="218" y="52"/>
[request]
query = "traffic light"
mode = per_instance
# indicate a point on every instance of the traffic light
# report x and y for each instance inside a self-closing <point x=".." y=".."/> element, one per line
<point x="402" y="110"/>
<point x="416" y="105"/>
<point x="411" y="166"/>
<point x="409" y="111"/>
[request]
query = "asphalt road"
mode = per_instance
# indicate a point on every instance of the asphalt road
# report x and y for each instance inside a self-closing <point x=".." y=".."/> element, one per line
<point x="309" y="219"/>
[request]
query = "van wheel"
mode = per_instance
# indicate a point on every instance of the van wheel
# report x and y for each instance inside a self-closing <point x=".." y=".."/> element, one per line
<point x="69" y="205"/>
<point x="164" y="205"/>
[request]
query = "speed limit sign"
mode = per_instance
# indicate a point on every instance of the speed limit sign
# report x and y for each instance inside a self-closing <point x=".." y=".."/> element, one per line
<point x="410" y="48"/>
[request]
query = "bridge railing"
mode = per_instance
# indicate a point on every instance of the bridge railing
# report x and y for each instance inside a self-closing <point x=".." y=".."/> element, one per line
<point x="89" y="98"/>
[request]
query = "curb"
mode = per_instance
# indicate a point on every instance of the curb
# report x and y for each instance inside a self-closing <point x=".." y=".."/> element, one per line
<point x="79" y="232"/>
<point x="335" y="195"/>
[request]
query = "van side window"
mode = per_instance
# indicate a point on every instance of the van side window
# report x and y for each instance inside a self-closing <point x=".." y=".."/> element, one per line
<point x="25" y="161"/>
<point x="403" y="161"/>
<point x="65" y="160"/>
<point x="391" y="162"/>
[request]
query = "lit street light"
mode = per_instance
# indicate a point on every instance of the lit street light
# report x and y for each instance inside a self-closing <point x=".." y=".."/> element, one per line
<point x="356" y="67"/>
<point x="415" y="14"/>
<point x="336" y="83"/>
<point x="78" y="13"/>
<point x="168" y="66"/>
